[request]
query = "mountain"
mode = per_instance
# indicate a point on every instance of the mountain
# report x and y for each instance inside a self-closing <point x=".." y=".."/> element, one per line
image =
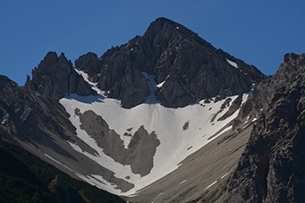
<point x="166" y="117"/>
<point x="185" y="67"/>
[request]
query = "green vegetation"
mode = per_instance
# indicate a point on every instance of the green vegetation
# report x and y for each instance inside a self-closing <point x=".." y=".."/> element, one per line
<point x="25" y="178"/>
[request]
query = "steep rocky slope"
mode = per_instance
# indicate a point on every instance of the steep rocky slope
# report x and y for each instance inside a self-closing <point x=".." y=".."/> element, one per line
<point x="27" y="116"/>
<point x="25" y="178"/>
<point x="260" y="160"/>
<point x="30" y="121"/>
<point x="186" y="67"/>
<point x="271" y="169"/>
<point x="55" y="77"/>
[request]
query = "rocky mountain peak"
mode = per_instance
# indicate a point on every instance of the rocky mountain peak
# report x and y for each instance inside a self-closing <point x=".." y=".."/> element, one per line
<point x="293" y="64"/>
<point x="55" y="76"/>
<point x="188" y="67"/>
<point x="162" y="31"/>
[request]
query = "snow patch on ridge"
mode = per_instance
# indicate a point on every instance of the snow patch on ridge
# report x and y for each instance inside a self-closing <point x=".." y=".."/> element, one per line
<point x="232" y="63"/>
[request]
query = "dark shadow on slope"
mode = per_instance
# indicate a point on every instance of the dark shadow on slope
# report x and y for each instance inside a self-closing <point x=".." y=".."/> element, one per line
<point x="49" y="142"/>
<point x="86" y="99"/>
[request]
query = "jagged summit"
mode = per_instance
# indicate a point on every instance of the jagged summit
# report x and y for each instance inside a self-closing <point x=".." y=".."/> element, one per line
<point x="55" y="77"/>
<point x="181" y="67"/>
<point x="164" y="20"/>
<point x="185" y="67"/>
<point x="164" y="29"/>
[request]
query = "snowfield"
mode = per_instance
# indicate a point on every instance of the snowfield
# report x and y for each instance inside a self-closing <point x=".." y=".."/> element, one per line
<point x="181" y="132"/>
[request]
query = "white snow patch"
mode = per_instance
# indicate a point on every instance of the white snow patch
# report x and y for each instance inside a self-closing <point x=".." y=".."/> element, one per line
<point x="213" y="183"/>
<point x="165" y="122"/>
<point x="225" y="130"/>
<point x="224" y="176"/>
<point x="160" y="84"/>
<point x="86" y="78"/>
<point x="85" y="178"/>
<point x="247" y="119"/>
<point x="232" y="63"/>
<point x="49" y="157"/>
<point x="58" y="162"/>
<point x="100" y="182"/>
<point x="252" y="86"/>
<point x="182" y="182"/>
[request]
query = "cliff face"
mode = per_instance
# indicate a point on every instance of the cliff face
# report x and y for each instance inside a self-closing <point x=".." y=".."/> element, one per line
<point x="272" y="168"/>
<point x="28" y="116"/>
<point x="186" y="67"/>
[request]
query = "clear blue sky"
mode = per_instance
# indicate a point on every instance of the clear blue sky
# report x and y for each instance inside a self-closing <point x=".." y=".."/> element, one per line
<point x="258" y="32"/>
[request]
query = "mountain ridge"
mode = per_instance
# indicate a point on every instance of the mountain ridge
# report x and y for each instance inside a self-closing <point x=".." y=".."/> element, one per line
<point x="134" y="120"/>
<point x="55" y="77"/>
<point x="177" y="58"/>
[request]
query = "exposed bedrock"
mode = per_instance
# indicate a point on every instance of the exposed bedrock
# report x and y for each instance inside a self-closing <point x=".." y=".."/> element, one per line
<point x="189" y="67"/>
<point x="139" y="152"/>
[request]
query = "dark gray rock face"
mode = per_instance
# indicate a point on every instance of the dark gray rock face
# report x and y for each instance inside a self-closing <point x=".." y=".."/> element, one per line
<point x="140" y="151"/>
<point x="272" y="168"/>
<point x="27" y="116"/>
<point x="189" y="67"/>
<point x="55" y="76"/>
<point x="89" y="63"/>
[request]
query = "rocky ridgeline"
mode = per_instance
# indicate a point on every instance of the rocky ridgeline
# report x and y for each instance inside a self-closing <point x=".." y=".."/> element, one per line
<point x="28" y="116"/>
<point x="188" y="67"/>
<point x="55" y="77"/>
<point x="272" y="168"/>
<point x="33" y="110"/>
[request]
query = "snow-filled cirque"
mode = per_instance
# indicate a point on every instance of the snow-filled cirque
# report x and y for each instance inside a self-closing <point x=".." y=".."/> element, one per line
<point x="179" y="133"/>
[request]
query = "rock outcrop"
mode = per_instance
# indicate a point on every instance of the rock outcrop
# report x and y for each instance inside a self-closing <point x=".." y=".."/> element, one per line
<point x="140" y="151"/>
<point x="188" y="68"/>
<point x="27" y="116"/>
<point x="272" y="168"/>
<point x="55" y="77"/>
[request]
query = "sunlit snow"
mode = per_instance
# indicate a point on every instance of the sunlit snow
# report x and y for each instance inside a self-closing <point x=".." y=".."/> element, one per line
<point x="232" y="63"/>
<point x="167" y="123"/>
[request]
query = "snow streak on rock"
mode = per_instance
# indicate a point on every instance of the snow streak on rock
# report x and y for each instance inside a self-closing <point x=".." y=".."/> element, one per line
<point x="232" y="63"/>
